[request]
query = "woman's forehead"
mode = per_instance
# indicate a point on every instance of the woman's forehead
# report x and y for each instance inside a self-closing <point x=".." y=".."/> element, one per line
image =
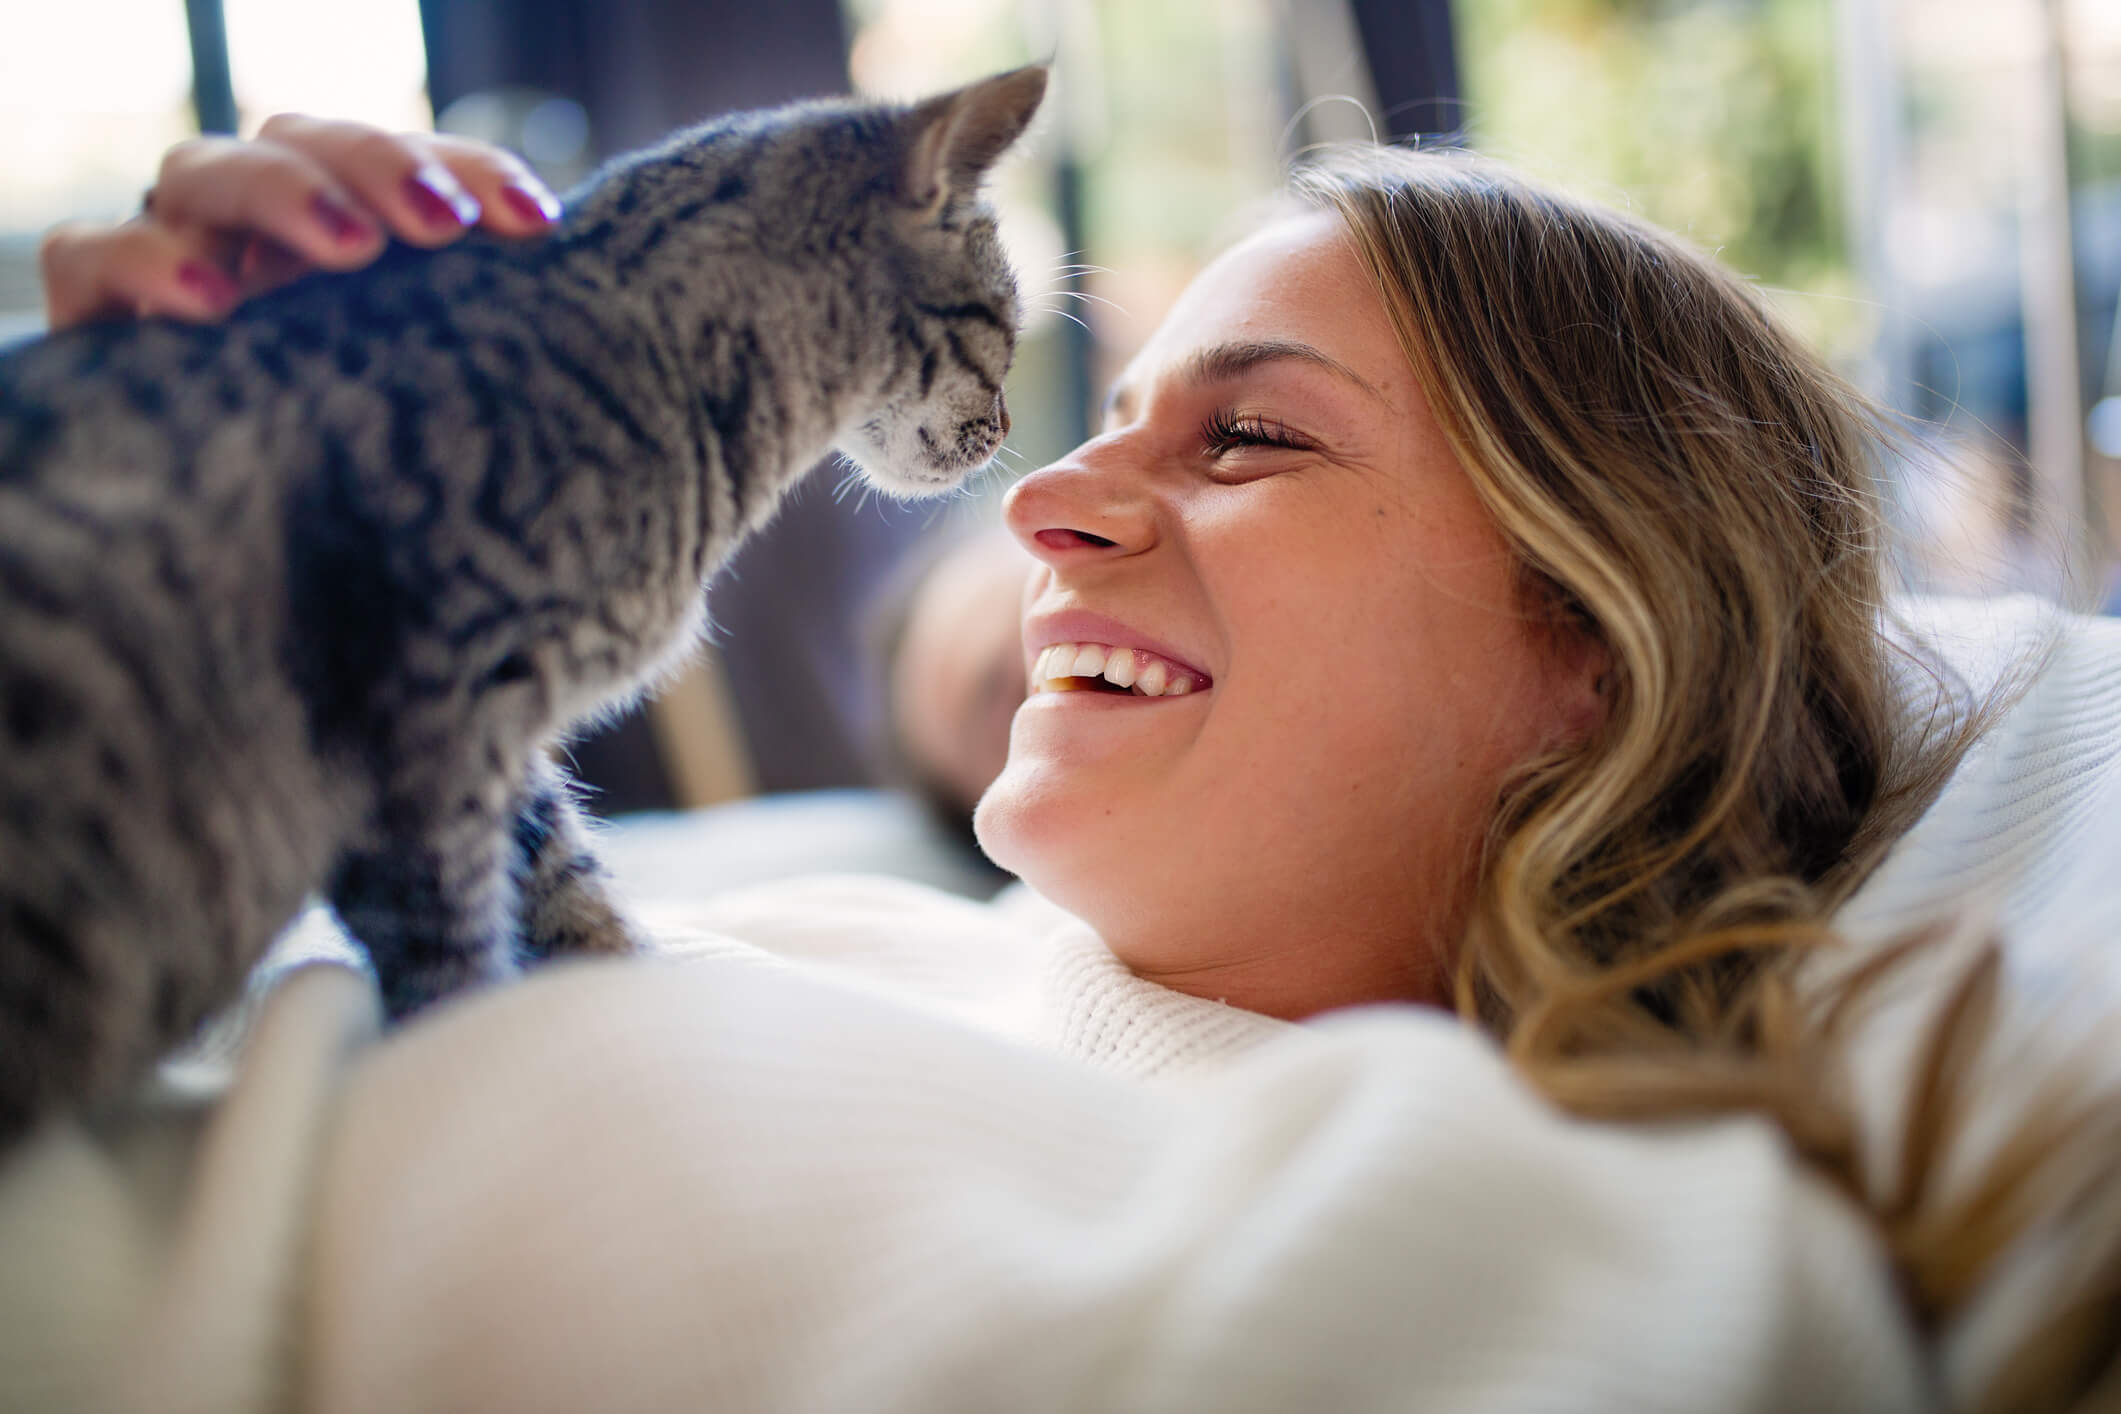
<point x="1297" y="285"/>
<point x="1275" y="274"/>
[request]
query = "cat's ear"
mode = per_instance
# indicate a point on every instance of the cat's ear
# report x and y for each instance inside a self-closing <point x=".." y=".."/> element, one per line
<point x="957" y="136"/>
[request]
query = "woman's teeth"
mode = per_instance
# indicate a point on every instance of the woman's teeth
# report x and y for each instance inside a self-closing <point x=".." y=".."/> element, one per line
<point x="1076" y="667"/>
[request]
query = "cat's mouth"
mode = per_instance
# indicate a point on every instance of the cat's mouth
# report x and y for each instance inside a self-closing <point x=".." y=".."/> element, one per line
<point x="977" y="440"/>
<point x="1099" y="667"/>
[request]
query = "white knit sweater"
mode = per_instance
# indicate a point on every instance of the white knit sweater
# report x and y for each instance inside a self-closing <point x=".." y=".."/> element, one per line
<point x="922" y="1154"/>
<point x="1019" y="967"/>
<point x="890" y="1150"/>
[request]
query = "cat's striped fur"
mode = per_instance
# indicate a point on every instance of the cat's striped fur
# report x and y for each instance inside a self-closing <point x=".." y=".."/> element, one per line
<point x="297" y="603"/>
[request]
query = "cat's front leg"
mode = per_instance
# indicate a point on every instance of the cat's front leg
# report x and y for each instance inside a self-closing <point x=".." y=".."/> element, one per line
<point x="564" y="901"/>
<point x="431" y="899"/>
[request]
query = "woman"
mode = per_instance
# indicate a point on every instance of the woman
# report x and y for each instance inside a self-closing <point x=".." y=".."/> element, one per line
<point x="1496" y="595"/>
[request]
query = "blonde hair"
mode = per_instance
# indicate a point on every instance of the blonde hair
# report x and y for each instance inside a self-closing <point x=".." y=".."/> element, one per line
<point x="1692" y="489"/>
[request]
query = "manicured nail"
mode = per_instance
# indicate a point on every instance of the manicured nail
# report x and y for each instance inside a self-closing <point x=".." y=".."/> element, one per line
<point x="532" y="203"/>
<point x="440" y="199"/>
<point x="207" y="283"/>
<point x="345" y="227"/>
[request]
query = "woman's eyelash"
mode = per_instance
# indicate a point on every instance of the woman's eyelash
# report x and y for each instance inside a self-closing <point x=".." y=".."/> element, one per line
<point x="1225" y="430"/>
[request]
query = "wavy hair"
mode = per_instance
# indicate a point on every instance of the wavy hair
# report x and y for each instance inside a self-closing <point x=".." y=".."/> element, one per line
<point x="1686" y="484"/>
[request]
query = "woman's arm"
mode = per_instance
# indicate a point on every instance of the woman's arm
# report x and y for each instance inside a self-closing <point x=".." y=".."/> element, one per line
<point x="227" y="219"/>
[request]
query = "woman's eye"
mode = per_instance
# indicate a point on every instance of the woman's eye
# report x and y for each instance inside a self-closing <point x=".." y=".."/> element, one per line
<point x="1225" y="432"/>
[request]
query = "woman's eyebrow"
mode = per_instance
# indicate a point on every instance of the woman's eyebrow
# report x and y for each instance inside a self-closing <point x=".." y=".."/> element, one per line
<point x="1226" y="361"/>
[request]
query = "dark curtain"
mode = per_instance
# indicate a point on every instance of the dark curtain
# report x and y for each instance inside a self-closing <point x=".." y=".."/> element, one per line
<point x="1413" y="65"/>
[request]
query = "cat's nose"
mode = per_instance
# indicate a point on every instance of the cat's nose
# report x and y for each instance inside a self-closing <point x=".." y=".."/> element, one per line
<point x="1001" y="413"/>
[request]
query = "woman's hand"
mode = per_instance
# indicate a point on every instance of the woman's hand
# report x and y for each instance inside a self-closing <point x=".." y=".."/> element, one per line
<point x="227" y="219"/>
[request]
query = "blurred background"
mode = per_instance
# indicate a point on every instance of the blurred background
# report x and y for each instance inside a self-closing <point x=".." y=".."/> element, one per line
<point x="1930" y="190"/>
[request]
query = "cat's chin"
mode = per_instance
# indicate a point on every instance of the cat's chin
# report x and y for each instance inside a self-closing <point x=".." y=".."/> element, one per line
<point x="916" y="482"/>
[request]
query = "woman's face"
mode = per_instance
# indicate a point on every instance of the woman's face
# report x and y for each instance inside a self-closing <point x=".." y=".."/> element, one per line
<point x="1271" y="515"/>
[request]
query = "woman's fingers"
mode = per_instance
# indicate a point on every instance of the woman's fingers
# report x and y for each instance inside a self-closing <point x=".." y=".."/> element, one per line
<point x="427" y="188"/>
<point x="230" y="219"/>
<point x="130" y="271"/>
<point x="513" y="200"/>
<point x="266" y="189"/>
<point x="394" y="177"/>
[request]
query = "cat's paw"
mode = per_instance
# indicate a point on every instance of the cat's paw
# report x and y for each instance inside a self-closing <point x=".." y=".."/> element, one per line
<point x="407" y="991"/>
<point x="581" y="924"/>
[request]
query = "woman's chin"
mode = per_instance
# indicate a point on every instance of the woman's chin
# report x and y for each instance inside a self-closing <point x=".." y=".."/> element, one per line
<point x="1041" y="831"/>
<point x="1000" y="826"/>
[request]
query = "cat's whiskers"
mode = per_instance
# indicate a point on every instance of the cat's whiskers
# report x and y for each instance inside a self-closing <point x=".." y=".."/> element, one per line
<point x="975" y="484"/>
<point x="1064" y="314"/>
<point x="1059" y="280"/>
<point x="851" y="478"/>
<point x="1114" y="305"/>
<point x="1063" y="262"/>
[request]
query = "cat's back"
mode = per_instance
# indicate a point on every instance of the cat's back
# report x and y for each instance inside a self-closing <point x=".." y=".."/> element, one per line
<point x="101" y="400"/>
<point x="156" y="777"/>
<point x="145" y="474"/>
<point x="74" y="402"/>
<point x="133" y="485"/>
<point x="129" y="448"/>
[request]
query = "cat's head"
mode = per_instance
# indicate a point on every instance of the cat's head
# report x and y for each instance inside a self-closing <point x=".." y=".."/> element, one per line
<point x="956" y="307"/>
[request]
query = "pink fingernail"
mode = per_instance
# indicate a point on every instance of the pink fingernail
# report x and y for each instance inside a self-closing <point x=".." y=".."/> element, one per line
<point x="207" y="283"/>
<point x="440" y="199"/>
<point x="532" y="204"/>
<point x="345" y="227"/>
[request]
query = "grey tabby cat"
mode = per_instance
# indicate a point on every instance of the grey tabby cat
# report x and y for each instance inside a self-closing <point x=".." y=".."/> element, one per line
<point x="297" y="603"/>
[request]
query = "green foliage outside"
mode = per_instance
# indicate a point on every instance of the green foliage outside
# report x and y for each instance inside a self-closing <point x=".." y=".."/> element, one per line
<point x="1192" y="121"/>
<point x="1714" y="118"/>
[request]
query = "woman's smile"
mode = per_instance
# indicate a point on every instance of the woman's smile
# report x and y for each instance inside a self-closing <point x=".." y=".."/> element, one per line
<point x="1076" y="650"/>
<point x="1101" y="668"/>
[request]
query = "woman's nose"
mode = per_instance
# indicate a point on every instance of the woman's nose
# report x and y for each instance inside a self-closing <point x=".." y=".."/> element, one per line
<point x="1091" y="502"/>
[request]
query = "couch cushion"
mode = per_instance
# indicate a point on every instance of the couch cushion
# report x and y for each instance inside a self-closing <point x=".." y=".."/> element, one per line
<point x="2024" y="844"/>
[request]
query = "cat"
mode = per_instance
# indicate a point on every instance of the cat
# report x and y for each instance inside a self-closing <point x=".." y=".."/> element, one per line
<point x="298" y="603"/>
